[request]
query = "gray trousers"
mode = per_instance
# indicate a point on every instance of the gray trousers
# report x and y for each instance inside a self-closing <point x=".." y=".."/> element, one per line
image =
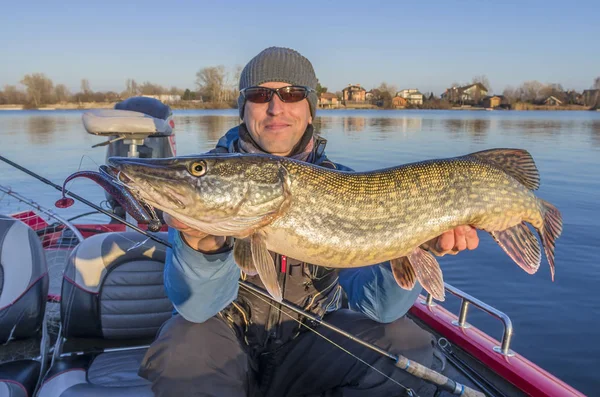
<point x="207" y="359"/>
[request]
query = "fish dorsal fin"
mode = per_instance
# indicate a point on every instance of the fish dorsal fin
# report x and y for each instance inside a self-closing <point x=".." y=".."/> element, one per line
<point x="518" y="163"/>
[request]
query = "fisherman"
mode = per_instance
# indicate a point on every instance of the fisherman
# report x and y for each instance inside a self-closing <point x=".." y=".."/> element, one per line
<point x="229" y="342"/>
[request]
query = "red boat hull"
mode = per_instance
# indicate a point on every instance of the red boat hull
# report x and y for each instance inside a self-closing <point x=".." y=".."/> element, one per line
<point x="517" y="370"/>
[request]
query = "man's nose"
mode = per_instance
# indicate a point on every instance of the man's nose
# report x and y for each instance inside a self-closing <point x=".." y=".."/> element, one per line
<point x="275" y="106"/>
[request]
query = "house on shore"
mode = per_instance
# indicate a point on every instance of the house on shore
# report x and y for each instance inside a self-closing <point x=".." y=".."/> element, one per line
<point x="328" y="100"/>
<point x="493" y="101"/>
<point x="399" y="102"/>
<point x="552" y="101"/>
<point x="412" y="96"/>
<point x="354" y="93"/>
<point x="471" y="94"/>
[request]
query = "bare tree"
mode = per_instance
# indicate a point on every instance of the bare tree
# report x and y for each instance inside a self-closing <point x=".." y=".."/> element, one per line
<point x="529" y="91"/>
<point x="596" y="85"/>
<point x="13" y="96"/>
<point x="511" y="94"/>
<point x="148" y="88"/>
<point x="482" y="79"/>
<point x="175" y="91"/>
<point x="555" y="90"/>
<point x="131" y="88"/>
<point x="210" y="82"/>
<point x="85" y="87"/>
<point x="61" y="93"/>
<point x="386" y="93"/>
<point x="39" y="88"/>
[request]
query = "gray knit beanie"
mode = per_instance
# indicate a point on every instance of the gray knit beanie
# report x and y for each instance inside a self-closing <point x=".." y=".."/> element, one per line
<point x="279" y="64"/>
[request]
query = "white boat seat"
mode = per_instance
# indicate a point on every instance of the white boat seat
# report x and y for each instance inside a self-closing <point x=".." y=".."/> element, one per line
<point x="136" y="117"/>
<point x="23" y="291"/>
<point x="112" y="296"/>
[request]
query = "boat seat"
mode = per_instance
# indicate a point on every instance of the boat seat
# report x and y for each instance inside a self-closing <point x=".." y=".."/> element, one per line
<point x="23" y="291"/>
<point x="136" y="117"/>
<point x="113" y="304"/>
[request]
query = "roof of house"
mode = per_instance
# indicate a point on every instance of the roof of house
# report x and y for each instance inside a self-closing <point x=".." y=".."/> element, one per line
<point x="328" y="95"/>
<point x="354" y="86"/>
<point x="466" y="87"/>
<point x="553" y="97"/>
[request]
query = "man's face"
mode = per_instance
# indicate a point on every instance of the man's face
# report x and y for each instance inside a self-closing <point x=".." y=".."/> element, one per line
<point x="277" y="126"/>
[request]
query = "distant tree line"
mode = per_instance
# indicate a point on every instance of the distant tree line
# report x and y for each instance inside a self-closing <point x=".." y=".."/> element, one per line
<point x="39" y="90"/>
<point x="219" y="85"/>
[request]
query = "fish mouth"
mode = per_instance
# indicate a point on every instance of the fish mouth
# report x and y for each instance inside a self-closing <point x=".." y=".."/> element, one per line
<point x="116" y="174"/>
<point x="124" y="173"/>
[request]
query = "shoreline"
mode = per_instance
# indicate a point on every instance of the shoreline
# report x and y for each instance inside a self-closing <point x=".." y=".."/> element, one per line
<point x="97" y="105"/>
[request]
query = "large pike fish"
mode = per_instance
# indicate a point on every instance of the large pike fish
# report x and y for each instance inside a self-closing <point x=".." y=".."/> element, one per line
<point x="346" y="219"/>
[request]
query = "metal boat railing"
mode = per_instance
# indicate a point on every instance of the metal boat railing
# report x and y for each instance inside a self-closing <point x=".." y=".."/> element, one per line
<point x="466" y="301"/>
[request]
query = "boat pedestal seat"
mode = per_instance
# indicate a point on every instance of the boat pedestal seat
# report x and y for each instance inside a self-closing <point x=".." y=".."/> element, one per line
<point x="113" y="304"/>
<point x="19" y="378"/>
<point x="112" y="373"/>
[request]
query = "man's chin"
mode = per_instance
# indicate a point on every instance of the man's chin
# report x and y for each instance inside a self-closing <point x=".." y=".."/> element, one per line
<point x="277" y="149"/>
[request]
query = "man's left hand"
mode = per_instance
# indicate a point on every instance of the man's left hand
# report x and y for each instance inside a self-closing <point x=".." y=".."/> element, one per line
<point x="453" y="241"/>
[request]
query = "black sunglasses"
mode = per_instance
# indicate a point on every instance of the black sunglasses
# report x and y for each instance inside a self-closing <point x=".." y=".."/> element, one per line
<point x="290" y="93"/>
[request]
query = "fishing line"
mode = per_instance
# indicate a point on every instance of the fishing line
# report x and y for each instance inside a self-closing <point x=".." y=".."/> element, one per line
<point x="407" y="391"/>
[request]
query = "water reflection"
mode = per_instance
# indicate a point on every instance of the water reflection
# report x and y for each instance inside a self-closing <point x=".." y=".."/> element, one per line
<point x="536" y="126"/>
<point x="354" y="124"/>
<point x="206" y="127"/>
<point x="45" y="129"/>
<point x="476" y="128"/>
<point x="595" y="133"/>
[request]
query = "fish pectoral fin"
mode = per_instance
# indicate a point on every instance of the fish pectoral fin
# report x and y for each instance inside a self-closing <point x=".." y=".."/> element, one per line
<point x="404" y="273"/>
<point x="428" y="272"/>
<point x="521" y="245"/>
<point x="263" y="261"/>
<point x="518" y="163"/>
<point x="242" y="255"/>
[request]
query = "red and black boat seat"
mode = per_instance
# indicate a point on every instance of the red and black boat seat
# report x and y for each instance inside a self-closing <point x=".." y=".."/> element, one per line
<point x="113" y="304"/>
<point x="23" y="291"/>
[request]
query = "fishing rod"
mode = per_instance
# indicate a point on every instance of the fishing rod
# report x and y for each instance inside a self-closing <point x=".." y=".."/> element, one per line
<point x="77" y="197"/>
<point x="400" y="361"/>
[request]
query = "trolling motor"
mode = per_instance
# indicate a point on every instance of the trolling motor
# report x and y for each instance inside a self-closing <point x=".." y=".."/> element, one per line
<point x="139" y="127"/>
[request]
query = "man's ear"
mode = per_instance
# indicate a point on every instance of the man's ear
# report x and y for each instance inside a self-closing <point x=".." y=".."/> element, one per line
<point x="310" y="120"/>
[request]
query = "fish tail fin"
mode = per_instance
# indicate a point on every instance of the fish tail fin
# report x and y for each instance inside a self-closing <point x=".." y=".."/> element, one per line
<point x="551" y="229"/>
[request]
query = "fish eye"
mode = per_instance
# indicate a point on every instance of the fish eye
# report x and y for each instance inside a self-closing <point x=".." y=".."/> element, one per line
<point x="198" y="168"/>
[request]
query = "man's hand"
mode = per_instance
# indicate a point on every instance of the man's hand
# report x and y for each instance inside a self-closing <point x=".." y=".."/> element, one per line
<point x="196" y="239"/>
<point x="454" y="241"/>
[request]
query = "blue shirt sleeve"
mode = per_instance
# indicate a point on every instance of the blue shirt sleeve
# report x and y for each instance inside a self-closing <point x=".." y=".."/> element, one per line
<point x="199" y="285"/>
<point x="373" y="291"/>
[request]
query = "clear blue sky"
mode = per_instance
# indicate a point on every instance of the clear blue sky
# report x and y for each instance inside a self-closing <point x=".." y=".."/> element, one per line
<point x="424" y="44"/>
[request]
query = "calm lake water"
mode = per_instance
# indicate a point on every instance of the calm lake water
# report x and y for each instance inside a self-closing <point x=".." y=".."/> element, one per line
<point x="556" y="323"/>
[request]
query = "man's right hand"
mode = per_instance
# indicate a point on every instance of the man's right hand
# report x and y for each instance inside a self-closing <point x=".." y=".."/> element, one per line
<point x="196" y="239"/>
